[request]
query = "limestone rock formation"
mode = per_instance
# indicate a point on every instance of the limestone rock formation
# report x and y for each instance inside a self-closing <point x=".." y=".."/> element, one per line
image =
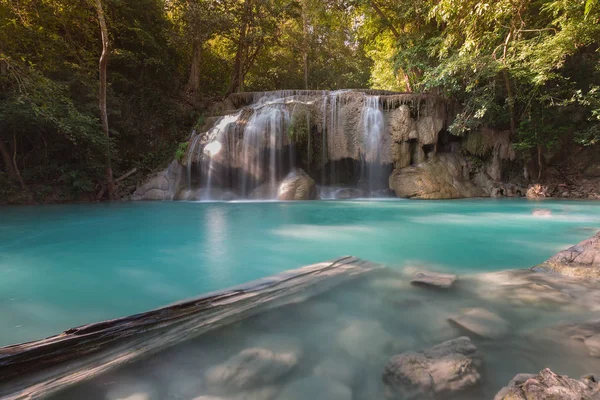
<point x="163" y="186"/>
<point x="443" y="177"/>
<point x="582" y="260"/>
<point x="548" y="385"/>
<point x="297" y="186"/>
<point x="442" y="370"/>
<point x="434" y="279"/>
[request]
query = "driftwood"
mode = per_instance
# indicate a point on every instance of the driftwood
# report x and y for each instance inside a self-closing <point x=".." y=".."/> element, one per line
<point x="35" y="369"/>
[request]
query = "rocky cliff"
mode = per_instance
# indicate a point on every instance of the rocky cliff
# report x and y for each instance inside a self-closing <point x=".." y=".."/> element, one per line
<point x="372" y="142"/>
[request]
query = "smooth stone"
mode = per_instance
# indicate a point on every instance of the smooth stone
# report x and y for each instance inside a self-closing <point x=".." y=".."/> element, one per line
<point x="315" y="388"/>
<point x="547" y="385"/>
<point x="337" y="369"/>
<point x="434" y="279"/>
<point x="581" y="260"/>
<point x="593" y="345"/>
<point x="445" y="369"/>
<point x="481" y="322"/>
<point x="541" y="212"/>
<point x="365" y="339"/>
<point x="135" y="391"/>
<point x="251" y="368"/>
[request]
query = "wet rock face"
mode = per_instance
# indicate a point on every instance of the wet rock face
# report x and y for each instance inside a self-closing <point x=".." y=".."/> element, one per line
<point x="548" y="385"/>
<point x="445" y="369"/>
<point x="297" y="186"/>
<point x="581" y="260"/>
<point x="444" y="177"/>
<point x="537" y="191"/>
<point x="162" y="186"/>
<point x="481" y="322"/>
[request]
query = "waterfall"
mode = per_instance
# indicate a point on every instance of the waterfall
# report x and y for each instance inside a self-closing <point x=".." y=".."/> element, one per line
<point x="373" y="129"/>
<point x="247" y="153"/>
<point x="265" y="130"/>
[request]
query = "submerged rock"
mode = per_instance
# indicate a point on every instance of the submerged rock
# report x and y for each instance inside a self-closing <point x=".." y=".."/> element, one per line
<point x="541" y="212"/>
<point x="582" y="260"/>
<point x="365" y="339"/>
<point x="435" y="279"/>
<point x="339" y="369"/>
<point x="265" y="393"/>
<point x="445" y="369"/>
<point x="587" y="332"/>
<point x="481" y="322"/>
<point x="315" y="388"/>
<point x="251" y="368"/>
<point x="297" y="186"/>
<point x="548" y="385"/>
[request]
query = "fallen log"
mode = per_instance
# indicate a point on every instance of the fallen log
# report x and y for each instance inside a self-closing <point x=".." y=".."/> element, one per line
<point x="36" y="369"/>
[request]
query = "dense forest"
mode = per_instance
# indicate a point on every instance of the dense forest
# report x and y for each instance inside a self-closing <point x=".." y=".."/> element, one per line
<point x="95" y="90"/>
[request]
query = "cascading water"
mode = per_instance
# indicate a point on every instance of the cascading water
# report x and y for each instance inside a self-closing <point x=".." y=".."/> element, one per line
<point x="265" y="130"/>
<point x="373" y="129"/>
<point x="246" y="154"/>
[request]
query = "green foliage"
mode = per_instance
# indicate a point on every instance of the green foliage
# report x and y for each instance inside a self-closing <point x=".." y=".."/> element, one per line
<point x="181" y="150"/>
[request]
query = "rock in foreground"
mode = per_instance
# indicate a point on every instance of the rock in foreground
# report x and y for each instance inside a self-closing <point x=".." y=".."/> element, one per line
<point x="481" y="322"/>
<point x="548" y="385"/>
<point x="297" y="186"/>
<point x="582" y="260"/>
<point x="443" y="370"/>
<point x="251" y="368"/>
<point x="435" y="279"/>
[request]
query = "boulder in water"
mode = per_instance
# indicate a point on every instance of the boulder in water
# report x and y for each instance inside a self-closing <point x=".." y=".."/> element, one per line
<point x="541" y="212"/>
<point x="297" y="186"/>
<point x="581" y="260"/>
<point x="443" y="177"/>
<point x="162" y="186"/>
<point x="435" y="279"/>
<point x="315" y="387"/>
<point x="364" y="339"/>
<point x="251" y="368"/>
<point x="442" y="370"/>
<point x="548" y="385"/>
<point x="481" y="322"/>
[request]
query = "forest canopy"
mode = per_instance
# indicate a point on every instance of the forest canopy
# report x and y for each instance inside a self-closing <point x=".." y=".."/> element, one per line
<point x="529" y="66"/>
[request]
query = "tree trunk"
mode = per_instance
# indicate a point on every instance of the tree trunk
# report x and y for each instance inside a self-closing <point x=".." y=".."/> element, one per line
<point x="193" y="85"/>
<point x="103" y="63"/>
<point x="237" y="76"/>
<point x="15" y="165"/>
<point x="511" y="104"/>
<point x="8" y="162"/>
<point x="305" y="43"/>
<point x="539" y="159"/>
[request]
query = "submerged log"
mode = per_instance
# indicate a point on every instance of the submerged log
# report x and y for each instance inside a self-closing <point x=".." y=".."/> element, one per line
<point x="36" y="369"/>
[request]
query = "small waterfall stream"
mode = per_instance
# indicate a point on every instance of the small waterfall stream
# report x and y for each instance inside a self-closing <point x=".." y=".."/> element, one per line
<point x="340" y="136"/>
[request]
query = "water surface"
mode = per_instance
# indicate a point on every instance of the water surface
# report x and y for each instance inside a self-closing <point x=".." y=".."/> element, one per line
<point x="62" y="266"/>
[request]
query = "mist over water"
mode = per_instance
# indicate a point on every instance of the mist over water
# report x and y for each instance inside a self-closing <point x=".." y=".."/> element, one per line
<point x="63" y="266"/>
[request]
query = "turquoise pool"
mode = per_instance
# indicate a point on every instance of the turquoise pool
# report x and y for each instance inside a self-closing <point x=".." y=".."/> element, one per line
<point x="62" y="266"/>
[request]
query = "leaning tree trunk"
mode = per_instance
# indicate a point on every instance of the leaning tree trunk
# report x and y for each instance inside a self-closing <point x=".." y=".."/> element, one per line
<point x="8" y="162"/>
<point x="110" y="185"/>
<point x="237" y="76"/>
<point x="193" y="85"/>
